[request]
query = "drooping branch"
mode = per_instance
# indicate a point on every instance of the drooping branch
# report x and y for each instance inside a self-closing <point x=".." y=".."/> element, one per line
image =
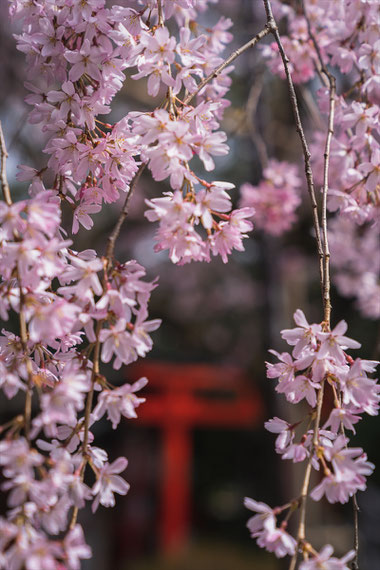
<point x="123" y="214"/>
<point x="24" y="344"/>
<point x="322" y="246"/>
<point x="271" y="24"/>
<point x="330" y="82"/>
<point x="3" y="172"/>
<point x="301" y="534"/>
<point x="234" y="55"/>
<point x="96" y="355"/>
<point x="160" y="14"/>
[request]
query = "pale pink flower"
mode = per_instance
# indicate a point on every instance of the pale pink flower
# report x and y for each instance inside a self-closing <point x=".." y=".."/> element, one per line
<point x="207" y="144"/>
<point x="81" y="216"/>
<point x="108" y="483"/>
<point x="230" y="234"/>
<point x="75" y="548"/>
<point x="359" y="390"/>
<point x="278" y="541"/>
<point x="86" y="60"/>
<point x="117" y="341"/>
<point x="263" y="527"/>
<point x="264" y="519"/>
<point x="285" y="370"/>
<point x="53" y="320"/>
<point x="296" y="452"/>
<point x="188" y="48"/>
<point x="333" y="343"/>
<point x="342" y="416"/>
<point x="68" y="100"/>
<point x="119" y="402"/>
<point x="303" y="336"/>
<point x="159" y="46"/>
<point x="299" y="388"/>
<point x="285" y="431"/>
<point x="207" y="201"/>
<point x="324" y="560"/>
<point x="348" y="474"/>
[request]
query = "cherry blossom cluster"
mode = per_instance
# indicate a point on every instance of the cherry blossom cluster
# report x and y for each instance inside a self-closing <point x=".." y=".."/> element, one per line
<point x="318" y="362"/>
<point x="79" y="51"/>
<point x="275" y="199"/>
<point x="75" y="309"/>
<point x="44" y="469"/>
<point x="344" y="36"/>
<point x="345" y="156"/>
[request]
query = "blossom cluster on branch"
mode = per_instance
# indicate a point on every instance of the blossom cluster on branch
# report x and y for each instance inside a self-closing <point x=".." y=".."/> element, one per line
<point x="342" y="36"/>
<point x="318" y="363"/>
<point x="345" y="157"/>
<point x="76" y="309"/>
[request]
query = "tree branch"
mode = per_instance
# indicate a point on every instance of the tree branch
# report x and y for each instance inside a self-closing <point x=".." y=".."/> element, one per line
<point x="264" y="32"/>
<point x="306" y="480"/>
<point x="271" y="24"/>
<point x="160" y="14"/>
<point x="329" y="81"/>
<point x="355" y="562"/>
<point x="96" y="358"/>
<point x="3" y="172"/>
<point x="123" y="214"/>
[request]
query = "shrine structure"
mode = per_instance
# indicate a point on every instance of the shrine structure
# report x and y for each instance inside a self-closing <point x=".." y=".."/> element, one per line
<point x="180" y="398"/>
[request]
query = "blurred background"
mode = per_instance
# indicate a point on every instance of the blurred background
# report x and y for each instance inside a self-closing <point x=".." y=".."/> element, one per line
<point x="199" y="447"/>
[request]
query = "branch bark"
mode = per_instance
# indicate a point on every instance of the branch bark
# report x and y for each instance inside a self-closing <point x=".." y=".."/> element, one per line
<point x="264" y="32"/>
<point x="123" y="214"/>
<point x="3" y="172"/>
<point x="271" y="24"/>
<point x="329" y="81"/>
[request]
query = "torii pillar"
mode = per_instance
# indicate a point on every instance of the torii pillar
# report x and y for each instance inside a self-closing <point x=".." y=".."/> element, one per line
<point x="188" y="396"/>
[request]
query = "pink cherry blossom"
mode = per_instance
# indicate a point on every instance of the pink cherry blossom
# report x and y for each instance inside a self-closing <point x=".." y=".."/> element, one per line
<point x="75" y="548"/>
<point x="324" y="559"/>
<point x="108" y="483"/>
<point x="263" y="527"/>
<point x="119" y="402"/>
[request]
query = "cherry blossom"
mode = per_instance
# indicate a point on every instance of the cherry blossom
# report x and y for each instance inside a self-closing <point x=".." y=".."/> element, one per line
<point x="120" y="401"/>
<point x="324" y="559"/>
<point x="109" y="483"/>
<point x="263" y="527"/>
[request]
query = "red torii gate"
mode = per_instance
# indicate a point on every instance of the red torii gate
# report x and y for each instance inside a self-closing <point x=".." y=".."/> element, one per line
<point x="187" y="396"/>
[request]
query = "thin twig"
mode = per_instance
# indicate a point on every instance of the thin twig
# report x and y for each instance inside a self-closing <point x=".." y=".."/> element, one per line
<point x="160" y="14"/>
<point x="329" y="81"/>
<point x="306" y="480"/>
<point x="96" y="358"/>
<point x="87" y="414"/>
<point x="123" y="214"/>
<point x="322" y="248"/>
<point x="356" y="509"/>
<point x="24" y="344"/>
<point x="264" y="32"/>
<point x="326" y="251"/>
<point x="271" y="24"/>
<point x="3" y="172"/>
